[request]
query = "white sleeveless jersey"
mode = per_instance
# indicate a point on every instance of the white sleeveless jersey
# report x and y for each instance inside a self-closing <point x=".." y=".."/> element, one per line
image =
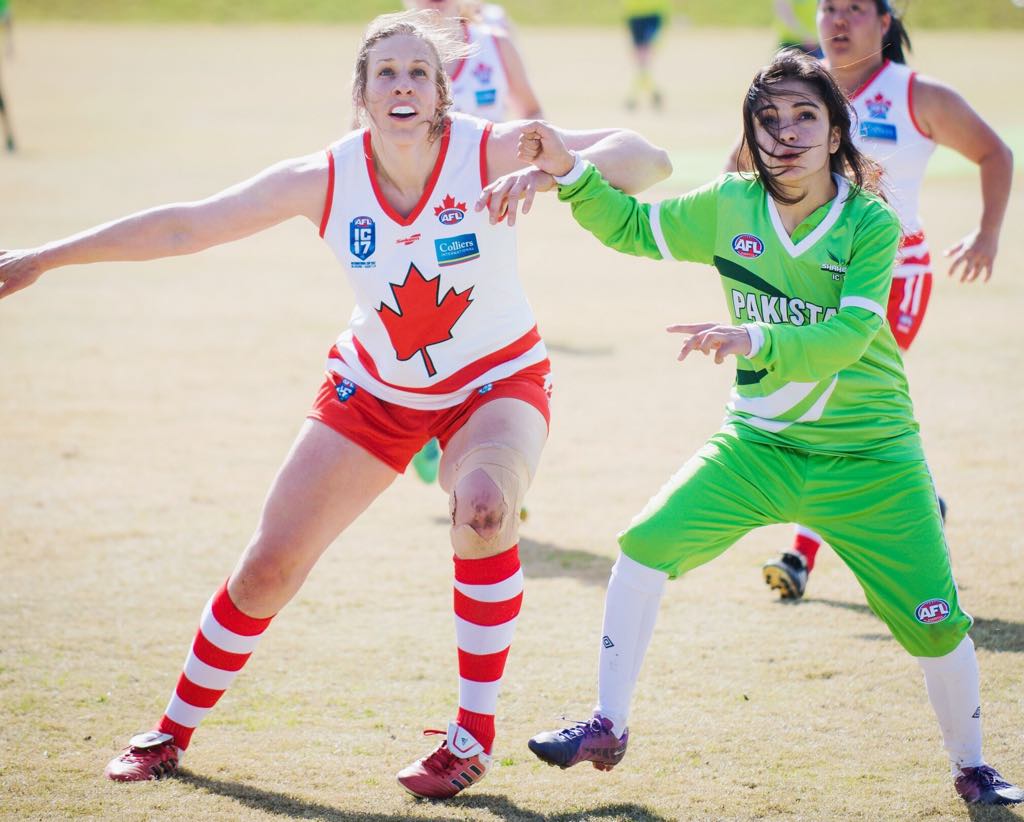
<point x="888" y="133"/>
<point x="480" y="82"/>
<point x="439" y="307"/>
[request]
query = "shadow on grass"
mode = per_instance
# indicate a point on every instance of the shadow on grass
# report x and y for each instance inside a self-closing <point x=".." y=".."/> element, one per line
<point x="997" y="813"/>
<point x="997" y="635"/>
<point x="542" y="560"/>
<point x="579" y="351"/>
<point x="280" y="804"/>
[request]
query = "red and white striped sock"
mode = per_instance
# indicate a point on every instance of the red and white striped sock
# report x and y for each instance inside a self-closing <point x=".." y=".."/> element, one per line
<point x="488" y="595"/>
<point x="224" y="642"/>
<point x="806" y="543"/>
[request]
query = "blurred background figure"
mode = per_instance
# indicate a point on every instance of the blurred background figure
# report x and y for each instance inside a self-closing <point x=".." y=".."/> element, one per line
<point x="6" y="20"/>
<point x="795" y="25"/>
<point x="645" y="19"/>
<point x="492" y="82"/>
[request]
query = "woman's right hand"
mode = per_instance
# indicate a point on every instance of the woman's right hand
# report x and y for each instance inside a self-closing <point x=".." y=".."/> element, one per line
<point x="19" y="269"/>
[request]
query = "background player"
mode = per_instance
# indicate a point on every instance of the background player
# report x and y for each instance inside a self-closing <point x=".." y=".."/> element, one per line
<point x="820" y="425"/>
<point x="441" y="342"/>
<point x="900" y="118"/>
<point x="645" y="19"/>
<point x="7" y="20"/>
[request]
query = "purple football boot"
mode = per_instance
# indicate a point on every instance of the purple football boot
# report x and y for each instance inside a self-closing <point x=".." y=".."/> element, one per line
<point x="984" y="786"/>
<point x="591" y="741"/>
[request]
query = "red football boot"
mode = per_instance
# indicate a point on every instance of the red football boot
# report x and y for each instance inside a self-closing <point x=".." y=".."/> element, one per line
<point x="152" y="755"/>
<point x="458" y="762"/>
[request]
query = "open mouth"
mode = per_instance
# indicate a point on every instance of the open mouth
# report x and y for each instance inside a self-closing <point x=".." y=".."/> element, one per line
<point x="402" y="112"/>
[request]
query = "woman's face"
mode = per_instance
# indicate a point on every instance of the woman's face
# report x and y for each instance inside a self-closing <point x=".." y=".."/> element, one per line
<point x="793" y="133"/>
<point x="401" y="96"/>
<point x="851" y="31"/>
<point x="447" y="8"/>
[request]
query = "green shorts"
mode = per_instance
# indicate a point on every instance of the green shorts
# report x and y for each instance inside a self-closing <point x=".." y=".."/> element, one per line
<point x="881" y="518"/>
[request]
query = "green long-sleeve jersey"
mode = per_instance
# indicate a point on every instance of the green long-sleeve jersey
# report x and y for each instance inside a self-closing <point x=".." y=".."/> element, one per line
<point x="825" y="373"/>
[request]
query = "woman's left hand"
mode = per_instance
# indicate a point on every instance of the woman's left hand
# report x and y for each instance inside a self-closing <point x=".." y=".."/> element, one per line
<point x="503" y="195"/>
<point x="707" y="337"/>
<point x="975" y="253"/>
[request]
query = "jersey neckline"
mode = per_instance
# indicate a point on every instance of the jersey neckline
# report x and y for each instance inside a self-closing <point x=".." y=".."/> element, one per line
<point x="796" y="249"/>
<point x="428" y="189"/>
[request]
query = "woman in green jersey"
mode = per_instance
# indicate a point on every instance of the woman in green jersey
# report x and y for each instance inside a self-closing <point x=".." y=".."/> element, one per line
<point x="819" y="426"/>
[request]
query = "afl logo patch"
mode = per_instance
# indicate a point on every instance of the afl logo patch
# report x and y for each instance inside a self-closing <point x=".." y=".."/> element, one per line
<point x="931" y="611"/>
<point x="747" y="245"/>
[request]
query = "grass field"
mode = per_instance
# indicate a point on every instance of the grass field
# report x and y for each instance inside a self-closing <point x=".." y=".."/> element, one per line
<point x="942" y="14"/>
<point x="145" y="408"/>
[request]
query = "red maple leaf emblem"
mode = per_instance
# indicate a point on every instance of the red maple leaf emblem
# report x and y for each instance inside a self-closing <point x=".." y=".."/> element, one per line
<point x="449" y="202"/>
<point x="422" y="319"/>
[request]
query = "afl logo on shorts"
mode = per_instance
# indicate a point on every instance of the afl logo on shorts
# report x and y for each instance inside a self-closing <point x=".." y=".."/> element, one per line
<point x="932" y="610"/>
<point x="747" y="245"/>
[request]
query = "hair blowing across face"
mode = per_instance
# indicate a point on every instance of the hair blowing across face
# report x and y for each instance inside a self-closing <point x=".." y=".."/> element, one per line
<point x="446" y="46"/>
<point x="793" y="64"/>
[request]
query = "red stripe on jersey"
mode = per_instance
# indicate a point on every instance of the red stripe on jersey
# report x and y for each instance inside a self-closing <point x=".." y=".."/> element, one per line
<point x="487" y="614"/>
<point x="910" y="106"/>
<point x="196" y="695"/>
<point x="453" y="76"/>
<point x="482" y="667"/>
<point x="489" y="570"/>
<point x="329" y="199"/>
<point x="925" y="260"/>
<point x="228" y="615"/>
<point x="912" y="239"/>
<point x="870" y="80"/>
<point x="463" y="375"/>
<point x="428" y="189"/>
<point x="215" y="657"/>
<point x="483" y="154"/>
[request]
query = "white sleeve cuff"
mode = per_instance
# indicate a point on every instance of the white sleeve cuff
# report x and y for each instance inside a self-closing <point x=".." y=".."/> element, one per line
<point x="756" y="334"/>
<point x="578" y="169"/>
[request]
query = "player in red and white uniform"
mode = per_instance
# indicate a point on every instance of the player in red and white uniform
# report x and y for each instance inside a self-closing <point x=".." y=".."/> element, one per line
<point x="490" y="82"/>
<point x="901" y="117"/>
<point x="442" y="342"/>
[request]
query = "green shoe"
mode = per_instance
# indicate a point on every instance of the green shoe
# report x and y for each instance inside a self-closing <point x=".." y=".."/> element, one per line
<point x="427" y="461"/>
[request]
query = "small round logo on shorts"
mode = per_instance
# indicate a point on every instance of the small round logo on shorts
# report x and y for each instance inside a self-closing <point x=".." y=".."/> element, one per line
<point x="932" y="610"/>
<point x="747" y="245"/>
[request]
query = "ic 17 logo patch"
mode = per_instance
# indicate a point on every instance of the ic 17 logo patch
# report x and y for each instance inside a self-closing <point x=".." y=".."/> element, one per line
<point x="450" y="212"/>
<point x="345" y="388"/>
<point x="931" y="611"/>
<point x="747" y="245"/>
<point x="362" y="240"/>
<point x="454" y="250"/>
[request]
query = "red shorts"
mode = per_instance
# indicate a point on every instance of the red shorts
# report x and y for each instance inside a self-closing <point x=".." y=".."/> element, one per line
<point x="394" y="433"/>
<point x="908" y="300"/>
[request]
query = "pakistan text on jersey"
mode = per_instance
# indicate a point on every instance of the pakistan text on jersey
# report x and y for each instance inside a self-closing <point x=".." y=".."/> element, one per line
<point x="760" y="308"/>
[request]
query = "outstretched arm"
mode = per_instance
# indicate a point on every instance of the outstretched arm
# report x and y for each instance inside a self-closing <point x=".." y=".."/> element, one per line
<point x="950" y="121"/>
<point x="628" y="161"/>
<point x="289" y="189"/>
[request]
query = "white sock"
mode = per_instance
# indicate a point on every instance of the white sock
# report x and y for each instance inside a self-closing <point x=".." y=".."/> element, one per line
<point x="630" y="611"/>
<point x="953" y="690"/>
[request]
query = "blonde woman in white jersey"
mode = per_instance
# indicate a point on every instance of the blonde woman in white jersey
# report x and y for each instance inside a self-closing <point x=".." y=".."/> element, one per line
<point x="442" y="342"/>
<point x="901" y="116"/>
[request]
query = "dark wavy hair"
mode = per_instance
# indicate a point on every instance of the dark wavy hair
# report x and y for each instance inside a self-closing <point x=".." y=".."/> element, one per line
<point x="793" y="64"/>
<point x="896" y="39"/>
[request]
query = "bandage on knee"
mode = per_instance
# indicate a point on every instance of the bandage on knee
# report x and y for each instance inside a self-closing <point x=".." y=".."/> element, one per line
<point x="509" y="471"/>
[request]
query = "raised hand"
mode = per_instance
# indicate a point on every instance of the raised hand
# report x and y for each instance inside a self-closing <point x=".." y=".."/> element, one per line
<point x="707" y="337"/>
<point x="542" y="146"/>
